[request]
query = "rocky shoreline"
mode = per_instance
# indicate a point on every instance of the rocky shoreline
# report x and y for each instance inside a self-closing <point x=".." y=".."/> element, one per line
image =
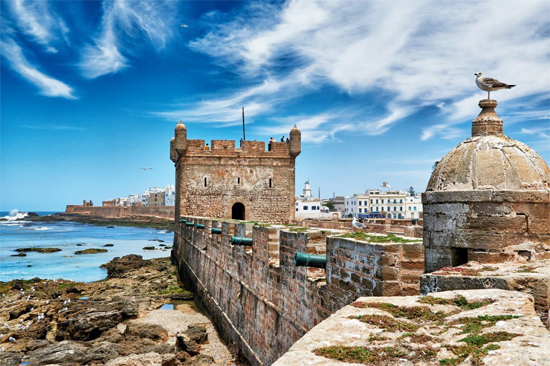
<point x="159" y="223"/>
<point x="139" y="315"/>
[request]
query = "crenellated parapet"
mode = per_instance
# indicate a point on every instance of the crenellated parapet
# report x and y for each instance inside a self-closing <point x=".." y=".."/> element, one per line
<point x="253" y="181"/>
<point x="261" y="300"/>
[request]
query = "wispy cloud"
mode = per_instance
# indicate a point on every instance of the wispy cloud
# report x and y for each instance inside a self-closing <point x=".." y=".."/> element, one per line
<point x="543" y="132"/>
<point x="36" y="20"/>
<point x="153" y="20"/>
<point x="52" y="127"/>
<point x="402" y="56"/>
<point x="47" y="85"/>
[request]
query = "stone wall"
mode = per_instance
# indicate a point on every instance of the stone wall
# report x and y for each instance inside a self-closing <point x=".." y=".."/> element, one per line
<point x="484" y="226"/>
<point x="120" y="211"/>
<point x="263" y="303"/>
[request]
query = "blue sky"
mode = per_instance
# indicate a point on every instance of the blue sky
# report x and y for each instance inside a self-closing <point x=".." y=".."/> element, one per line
<point x="91" y="91"/>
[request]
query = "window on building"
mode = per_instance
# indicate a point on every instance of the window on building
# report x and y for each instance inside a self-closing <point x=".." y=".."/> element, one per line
<point x="400" y="208"/>
<point x="360" y="203"/>
<point x="409" y="208"/>
<point x="270" y="183"/>
<point x="415" y="208"/>
<point x="389" y="208"/>
<point x="305" y="208"/>
<point x="205" y="181"/>
<point x="376" y="208"/>
<point x="376" y="201"/>
<point x="394" y="201"/>
<point x="360" y="210"/>
<point x="401" y="201"/>
<point x="296" y="208"/>
<point x="238" y="180"/>
<point x="395" y="208"/>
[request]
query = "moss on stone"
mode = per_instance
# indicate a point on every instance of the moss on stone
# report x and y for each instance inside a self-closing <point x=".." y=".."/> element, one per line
<point x="390" y="238"/>
<point x="459" y="301"/>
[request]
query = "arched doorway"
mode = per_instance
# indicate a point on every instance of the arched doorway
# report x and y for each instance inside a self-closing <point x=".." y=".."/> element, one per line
<point x="237" y="211"/>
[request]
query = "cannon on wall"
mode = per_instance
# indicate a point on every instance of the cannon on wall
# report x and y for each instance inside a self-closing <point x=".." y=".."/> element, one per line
<point x="237" y="240"/>
<point x="310" y="260"/>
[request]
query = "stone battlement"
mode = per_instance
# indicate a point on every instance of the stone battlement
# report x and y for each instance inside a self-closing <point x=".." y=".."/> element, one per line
<point x="261" y="301"/>
<point x="246" y="148"/>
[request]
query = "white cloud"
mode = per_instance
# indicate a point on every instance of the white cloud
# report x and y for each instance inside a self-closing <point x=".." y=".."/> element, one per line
<point x="47" y="85"/>
<point x="35" y="19"/>
<point x="153" y="20"/>
<point x="408" y="55"/>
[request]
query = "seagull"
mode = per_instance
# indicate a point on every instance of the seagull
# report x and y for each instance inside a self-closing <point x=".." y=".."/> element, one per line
<point x="356" y="224"/>
<point x="385" y="185"/>
<point x="489" y="84"/>
<point x="184" y="26"/>
<point x="146" y="168"/>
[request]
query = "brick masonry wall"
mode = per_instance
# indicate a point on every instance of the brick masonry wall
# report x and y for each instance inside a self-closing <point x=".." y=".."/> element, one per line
<point x="116" y="212"/>
<point x="263" y="303"/>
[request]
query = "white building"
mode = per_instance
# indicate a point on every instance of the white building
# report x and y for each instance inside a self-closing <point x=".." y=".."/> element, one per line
<point x="390" y="204"/>
<point x="309" y="207"/>
<point x="169" y="196"/>
<point x="413" y="206"/>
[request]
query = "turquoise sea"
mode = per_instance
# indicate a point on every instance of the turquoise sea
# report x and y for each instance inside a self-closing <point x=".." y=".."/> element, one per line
<point x="70" y="237"/>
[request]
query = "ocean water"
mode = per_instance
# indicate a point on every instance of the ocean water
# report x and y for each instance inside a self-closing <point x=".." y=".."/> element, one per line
<point x="65" y="236"/>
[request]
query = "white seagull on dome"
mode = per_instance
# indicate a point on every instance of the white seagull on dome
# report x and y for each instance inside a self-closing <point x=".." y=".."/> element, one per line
<point x="489" y="84"/>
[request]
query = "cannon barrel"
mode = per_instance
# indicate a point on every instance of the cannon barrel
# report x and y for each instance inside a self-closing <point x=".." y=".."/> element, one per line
<point x="237" y="240"/>
<point x="181" y="220"/>
<point x="310" y="260"/>
<point x="216" y="230"/>
<point x="189" y="223"/>
<point x="200" y="226"/>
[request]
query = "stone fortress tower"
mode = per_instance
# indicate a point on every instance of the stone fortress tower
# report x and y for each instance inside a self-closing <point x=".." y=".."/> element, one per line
<point x="488" y="199"/>
<point x="245" y="183"/>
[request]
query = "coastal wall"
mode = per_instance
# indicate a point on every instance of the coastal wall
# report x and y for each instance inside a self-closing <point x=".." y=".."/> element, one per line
<point x="261" y="302"/>
<point x="120" y="211"/>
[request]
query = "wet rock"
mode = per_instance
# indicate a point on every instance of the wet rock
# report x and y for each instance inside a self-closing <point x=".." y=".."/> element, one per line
<point x="62" y="353"/>
<point x="19" y="310"/>
<point x="146" y="359"/>
<point x="118" y="266"/>
<point x="91" y="251"/>
<point x="32" y="214"/>
<point x="11" y="358"/>
<point x="103" y="352"/>
<point x="19" y="255"/>
<point x="145" y="330"/>
<point x="38" y="250"/>
<point x="149" y="248"/>
<point x="112" y="335"/>
<point x="109" y="245"/>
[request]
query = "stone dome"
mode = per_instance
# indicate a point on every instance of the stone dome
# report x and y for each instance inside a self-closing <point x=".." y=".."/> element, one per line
<point x="490" y="160"/>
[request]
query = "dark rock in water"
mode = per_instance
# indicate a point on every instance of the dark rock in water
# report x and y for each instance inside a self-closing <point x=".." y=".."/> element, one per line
<point x="109" y="245"/>
<point x="3" y="219"/>
<point x="110" y="227"/>
<point x="91" y="251"/>
<point x="29" y="265"/>
<point x="145" y="330"/>
<point x="62" y="353"/>
<point x="39" y="250"/>
<point x="103" y="352"/>
<point x="80" y="244"/>
<point x="149" y="248"/>
<point x="162" y="245"/>
<point x="159" y="240"/>
<point x="11" y="358"/>
<point x="87" y="320"/>
<point x="19" y="255"/>
<point x="32" y="214"/>
<point x="118" y="266"/>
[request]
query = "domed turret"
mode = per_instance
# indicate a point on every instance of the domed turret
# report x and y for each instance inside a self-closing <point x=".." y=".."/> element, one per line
<point x="487" y="200"/>
<point x="181" y="138"/>
<point x="295" y="141"/>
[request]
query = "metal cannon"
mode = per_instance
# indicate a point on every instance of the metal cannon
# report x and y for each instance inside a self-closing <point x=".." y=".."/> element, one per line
<point x="189" y="223"/>
<point x="237" y="240"/>
<point x="200" y="226"/>
<point x="181" y="220"/>
<point x="310" y="260"/>
<point x="216" y="230"/>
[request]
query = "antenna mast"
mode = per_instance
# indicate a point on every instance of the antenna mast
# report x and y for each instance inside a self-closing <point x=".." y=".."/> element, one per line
<point x="244" y="134"/>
